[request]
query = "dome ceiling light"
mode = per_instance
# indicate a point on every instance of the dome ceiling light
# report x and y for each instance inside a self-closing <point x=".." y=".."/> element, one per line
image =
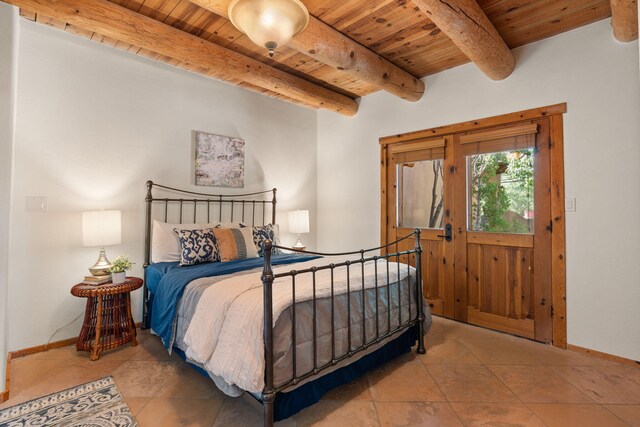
<point x="269" y="23"/>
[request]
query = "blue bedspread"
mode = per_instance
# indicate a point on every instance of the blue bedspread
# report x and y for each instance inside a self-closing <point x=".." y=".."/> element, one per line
<point x="173" y="280"/>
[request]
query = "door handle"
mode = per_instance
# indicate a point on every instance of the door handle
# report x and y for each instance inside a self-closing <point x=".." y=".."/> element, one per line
<point x="447" y="233"/>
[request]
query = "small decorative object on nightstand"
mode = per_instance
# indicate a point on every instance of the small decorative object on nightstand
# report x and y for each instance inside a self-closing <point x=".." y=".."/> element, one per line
<point x="119" y="268"/>
<point x="299" y="223"/>
<point x="107" y="319"/>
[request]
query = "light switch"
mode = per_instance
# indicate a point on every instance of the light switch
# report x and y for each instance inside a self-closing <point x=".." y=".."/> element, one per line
<point x="570" y="204"/>
<point x="36" y="203"/>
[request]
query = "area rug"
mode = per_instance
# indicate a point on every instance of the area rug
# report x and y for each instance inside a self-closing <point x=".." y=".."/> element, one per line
<point x="94" y="404"/>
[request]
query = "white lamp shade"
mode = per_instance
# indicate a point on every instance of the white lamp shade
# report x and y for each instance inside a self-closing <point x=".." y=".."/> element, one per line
<point x="101" y="228"/>
<point x="269" y="21"/>
<point x="299" y="221"/>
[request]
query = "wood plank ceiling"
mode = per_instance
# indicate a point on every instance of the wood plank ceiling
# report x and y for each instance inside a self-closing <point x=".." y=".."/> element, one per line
<point x="397" y="30"/>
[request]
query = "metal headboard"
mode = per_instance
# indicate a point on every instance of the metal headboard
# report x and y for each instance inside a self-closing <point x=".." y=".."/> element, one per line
<point x="183" y="207"/>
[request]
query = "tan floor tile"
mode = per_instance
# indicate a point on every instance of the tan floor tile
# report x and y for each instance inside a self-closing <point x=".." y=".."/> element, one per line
<point x="548" y="355"/>
<point x="19" y="398"/>
<point x="470" y="383"/>
<point x="136" y="404"/>
<point x="563" y="415"/>
<point x="333" y="413"/>
<point x="14" y="399"/>
<point x="628" y="413"/>
<point x="503" y="351"/>
<point x="142" y="379"/>
<point x="186" y="382"/>
<point x="126" y="352"/>
<point x="440" y="327"/>
<point x="496" y="414"/>
<point x="71" y="373"/>
<point x="453" y="329"/>
<point x="355" y="390"/>
<point x="161" y="412"/>
<point x="26" y="371"/>
<point x="62" y="353"/>
<point x="397" y="414"/>
<point x="605" y="384"/>
<point x="237" y="412"/>
<point x="405" y="378"/>
<point x="152" y="349"/>
<point x="538" y="384"/>
<point x="66" y="375"/>
<point x="441" y="350"/>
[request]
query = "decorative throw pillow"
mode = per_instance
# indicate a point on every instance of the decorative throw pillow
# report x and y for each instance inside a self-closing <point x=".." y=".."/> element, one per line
<point x="265" y="232"/>
<point x="165" y="245"/>
<point x="197" y="246"/>
<point x="235" y="243"/>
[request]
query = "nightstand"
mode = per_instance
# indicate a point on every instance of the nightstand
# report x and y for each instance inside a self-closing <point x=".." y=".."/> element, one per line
<point x="107" y="318"/>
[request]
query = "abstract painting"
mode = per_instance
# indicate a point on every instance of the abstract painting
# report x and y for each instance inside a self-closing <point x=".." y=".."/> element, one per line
<point x="219" y="160"/>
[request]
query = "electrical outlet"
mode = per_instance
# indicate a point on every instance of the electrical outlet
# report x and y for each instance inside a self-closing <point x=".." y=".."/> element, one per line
<point x="570" y="204"/>
<point x="36" y="203"/>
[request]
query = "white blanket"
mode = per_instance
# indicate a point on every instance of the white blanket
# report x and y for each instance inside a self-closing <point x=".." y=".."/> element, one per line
<point x="226" y="331"/>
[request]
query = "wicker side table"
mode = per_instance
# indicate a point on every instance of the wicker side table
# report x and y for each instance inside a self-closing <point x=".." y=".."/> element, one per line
<point x="107" y="318"/>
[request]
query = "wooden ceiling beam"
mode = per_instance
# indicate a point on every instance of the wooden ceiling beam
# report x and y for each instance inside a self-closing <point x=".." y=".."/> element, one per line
<point x="464" y="22"/>
<point x="624" y="19"/>
<point x="111" y="20"/>
<point x="329" y="46"/>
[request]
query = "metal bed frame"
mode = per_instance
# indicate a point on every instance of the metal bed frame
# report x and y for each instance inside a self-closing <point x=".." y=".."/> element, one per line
<point x="246" y="204"/>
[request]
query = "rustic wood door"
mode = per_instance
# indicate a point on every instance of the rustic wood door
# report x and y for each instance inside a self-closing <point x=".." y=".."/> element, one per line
<point x="417" y="196"/>
<point x="482" y="200"/>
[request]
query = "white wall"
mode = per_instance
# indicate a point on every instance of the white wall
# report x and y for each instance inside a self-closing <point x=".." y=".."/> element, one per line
<point x="598" y="78"/>
<point x="93" y="124"/>
<point x="8" y="75"/>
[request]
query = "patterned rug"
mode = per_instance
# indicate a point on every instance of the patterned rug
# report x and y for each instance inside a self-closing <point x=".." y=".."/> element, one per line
<point x="94" y="404"/>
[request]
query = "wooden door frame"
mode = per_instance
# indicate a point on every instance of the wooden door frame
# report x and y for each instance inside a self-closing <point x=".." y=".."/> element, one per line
<point x="556" y="154"/>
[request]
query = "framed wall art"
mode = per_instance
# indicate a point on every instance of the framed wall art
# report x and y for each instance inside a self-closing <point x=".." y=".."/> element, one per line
<point x="219" y="160"/>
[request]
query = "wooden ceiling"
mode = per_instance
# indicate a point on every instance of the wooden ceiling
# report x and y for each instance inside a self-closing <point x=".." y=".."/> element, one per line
<point x="401" y="35"/>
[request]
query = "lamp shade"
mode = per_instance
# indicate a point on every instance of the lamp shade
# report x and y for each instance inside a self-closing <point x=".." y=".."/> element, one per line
<point x="269" y="23"/>
<point x="101" y="228"/>
<point x="299" y="221"/>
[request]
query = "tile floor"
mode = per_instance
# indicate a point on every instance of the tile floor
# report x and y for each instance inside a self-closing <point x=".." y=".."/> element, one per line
<point x="469" y="376"/>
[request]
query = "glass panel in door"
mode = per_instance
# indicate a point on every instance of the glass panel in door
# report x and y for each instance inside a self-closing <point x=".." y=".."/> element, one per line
<point x="501" y="189"/>
<point x="420" y="194"/>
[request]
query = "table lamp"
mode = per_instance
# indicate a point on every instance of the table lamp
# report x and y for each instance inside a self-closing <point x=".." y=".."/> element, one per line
<point x="101" y="228"/>
<point x="299" y="223"/>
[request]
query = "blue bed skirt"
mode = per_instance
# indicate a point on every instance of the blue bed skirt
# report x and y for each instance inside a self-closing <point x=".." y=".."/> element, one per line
<point x="290" y="403"/>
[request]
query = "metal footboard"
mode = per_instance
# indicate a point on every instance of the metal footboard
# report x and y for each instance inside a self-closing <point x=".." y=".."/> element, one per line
<point x="381" y="292"/>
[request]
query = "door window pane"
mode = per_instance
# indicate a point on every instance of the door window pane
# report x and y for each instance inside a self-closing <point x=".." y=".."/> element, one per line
<point x="501" y="191"/>
<point x="419" y="194"/>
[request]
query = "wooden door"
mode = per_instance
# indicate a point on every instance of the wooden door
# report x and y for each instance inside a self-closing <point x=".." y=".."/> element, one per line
<point x="495" y="270"/>
<point x="504" y="277"/>
<point x="421" y="166"/>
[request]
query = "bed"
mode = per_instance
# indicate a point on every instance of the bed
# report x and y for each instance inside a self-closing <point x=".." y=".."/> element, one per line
<point x="281" y="326"/>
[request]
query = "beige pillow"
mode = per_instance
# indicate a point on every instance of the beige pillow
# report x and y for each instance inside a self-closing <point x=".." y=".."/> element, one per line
<point x="235" y="243"/>
<point x="165" y="245"/>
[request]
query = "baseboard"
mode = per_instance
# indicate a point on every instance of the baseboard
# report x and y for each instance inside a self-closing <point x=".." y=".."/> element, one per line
<point x="4" y="395"/>
<point x="42" y="347"/>
<point x="605" y="356"/>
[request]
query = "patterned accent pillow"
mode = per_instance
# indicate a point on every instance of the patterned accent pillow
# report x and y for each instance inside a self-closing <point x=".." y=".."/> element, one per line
<point x="197" y="246"/>
<point x="165" y="245"/>
<point x="235" y="243"/>
<point x="265" y="232"/>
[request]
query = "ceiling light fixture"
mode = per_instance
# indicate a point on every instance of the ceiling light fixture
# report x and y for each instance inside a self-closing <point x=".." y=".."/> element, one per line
<point x="269" y="23"/>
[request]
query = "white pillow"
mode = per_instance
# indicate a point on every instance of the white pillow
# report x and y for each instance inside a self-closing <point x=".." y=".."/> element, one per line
<point x="165" y="245"/>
